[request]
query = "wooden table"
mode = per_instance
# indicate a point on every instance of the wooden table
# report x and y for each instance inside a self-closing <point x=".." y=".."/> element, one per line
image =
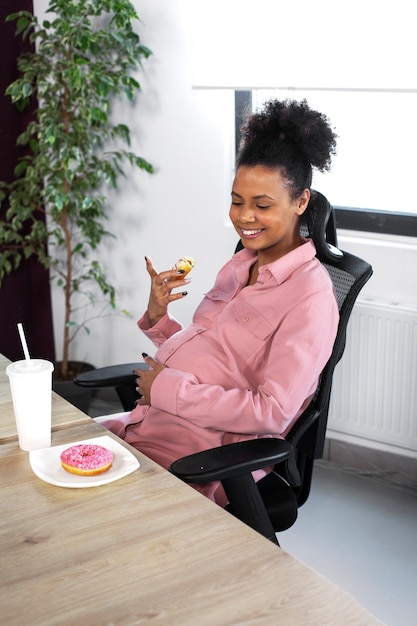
<point x="147" y="549"/>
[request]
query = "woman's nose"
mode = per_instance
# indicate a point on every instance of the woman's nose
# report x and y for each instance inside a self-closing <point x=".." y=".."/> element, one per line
<point x="246" y="215"/>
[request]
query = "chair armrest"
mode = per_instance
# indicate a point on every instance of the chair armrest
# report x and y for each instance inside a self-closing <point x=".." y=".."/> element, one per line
<point x="231" y="460"/>
<point x="111" y="376"/>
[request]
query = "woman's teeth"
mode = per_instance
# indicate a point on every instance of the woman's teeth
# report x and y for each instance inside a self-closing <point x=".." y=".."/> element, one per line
<point x="251" y="232"/>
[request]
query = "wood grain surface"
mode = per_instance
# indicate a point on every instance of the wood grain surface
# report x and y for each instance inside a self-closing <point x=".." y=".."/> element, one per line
<point x="146" y="549"/>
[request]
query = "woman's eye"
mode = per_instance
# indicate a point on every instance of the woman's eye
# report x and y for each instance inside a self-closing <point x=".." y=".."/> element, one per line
<point x="234" y="203"/>
<point x="259" y="206"/>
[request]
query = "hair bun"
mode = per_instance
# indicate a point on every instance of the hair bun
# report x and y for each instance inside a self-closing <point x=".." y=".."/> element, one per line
<point x="294" y="123"/>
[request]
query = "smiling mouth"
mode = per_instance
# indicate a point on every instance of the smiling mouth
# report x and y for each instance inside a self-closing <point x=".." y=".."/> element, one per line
<point x="251" y="233"/>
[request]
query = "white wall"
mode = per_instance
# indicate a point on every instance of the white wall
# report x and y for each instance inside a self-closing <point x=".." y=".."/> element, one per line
<point x="178" y="210"/>
<point x="394" y="261"/>
<point x="300" y="44"/>
<point x="187" y="133"/>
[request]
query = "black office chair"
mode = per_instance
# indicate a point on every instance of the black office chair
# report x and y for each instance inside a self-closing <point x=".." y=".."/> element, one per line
<point x="270" y="505"/>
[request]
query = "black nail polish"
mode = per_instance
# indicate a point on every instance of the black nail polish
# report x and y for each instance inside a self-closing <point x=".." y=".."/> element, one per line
<point x="144" y="355"/>
<point x="184" y="293"/>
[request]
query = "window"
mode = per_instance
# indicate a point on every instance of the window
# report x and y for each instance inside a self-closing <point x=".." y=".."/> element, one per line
<point x="371" y="180"/>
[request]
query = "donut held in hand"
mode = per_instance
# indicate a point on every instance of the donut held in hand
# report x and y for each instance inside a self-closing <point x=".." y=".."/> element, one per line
<point x="185" y="264"/>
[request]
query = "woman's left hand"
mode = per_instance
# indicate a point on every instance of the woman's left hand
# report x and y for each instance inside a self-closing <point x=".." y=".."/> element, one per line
<point x="145" y="378"/>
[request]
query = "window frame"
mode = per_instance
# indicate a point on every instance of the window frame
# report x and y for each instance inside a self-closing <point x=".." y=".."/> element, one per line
<point x="347" y="218"/>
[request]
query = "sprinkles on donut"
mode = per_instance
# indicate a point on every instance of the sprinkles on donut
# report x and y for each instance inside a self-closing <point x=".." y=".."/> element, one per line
<point x="86" y="459"/>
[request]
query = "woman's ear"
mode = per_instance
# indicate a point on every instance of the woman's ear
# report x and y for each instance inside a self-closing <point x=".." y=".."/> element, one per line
<point x="302" y="201"/>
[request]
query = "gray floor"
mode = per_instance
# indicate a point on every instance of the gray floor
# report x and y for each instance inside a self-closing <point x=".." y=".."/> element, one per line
<point x="362" y="535"/>
<point x="357" y="531"/>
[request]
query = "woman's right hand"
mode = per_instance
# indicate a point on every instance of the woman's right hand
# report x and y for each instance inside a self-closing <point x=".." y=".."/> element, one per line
<point x="161" y="294"/>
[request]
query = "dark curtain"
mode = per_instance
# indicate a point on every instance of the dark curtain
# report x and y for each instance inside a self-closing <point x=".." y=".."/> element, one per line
<point x="24" y="294"/>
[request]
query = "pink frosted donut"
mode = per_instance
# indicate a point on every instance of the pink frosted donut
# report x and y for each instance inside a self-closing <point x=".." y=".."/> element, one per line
<point x="86" y="459"/>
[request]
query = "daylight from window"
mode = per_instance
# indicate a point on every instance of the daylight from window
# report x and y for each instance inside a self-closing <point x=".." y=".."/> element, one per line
<point x="375" y="164"/>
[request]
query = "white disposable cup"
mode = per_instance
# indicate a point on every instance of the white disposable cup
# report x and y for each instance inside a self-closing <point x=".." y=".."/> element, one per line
<point x="31" y="387"/>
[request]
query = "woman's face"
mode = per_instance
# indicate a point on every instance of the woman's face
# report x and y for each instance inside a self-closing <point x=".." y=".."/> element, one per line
<point x="263" y="213"/>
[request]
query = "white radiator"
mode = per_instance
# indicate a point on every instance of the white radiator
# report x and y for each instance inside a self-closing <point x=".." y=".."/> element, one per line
<point x="374" y="396"/>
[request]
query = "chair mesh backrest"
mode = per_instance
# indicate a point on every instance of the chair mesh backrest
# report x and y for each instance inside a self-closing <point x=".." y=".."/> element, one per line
<point x="348" y="277"/>
<point x="342" y="282"/>
<point x="349" y="274"/>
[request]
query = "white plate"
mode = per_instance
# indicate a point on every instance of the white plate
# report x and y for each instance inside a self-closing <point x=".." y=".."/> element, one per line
<point x="46" y="464"/>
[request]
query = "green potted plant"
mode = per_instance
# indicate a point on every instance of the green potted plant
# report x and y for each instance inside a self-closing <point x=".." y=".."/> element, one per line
<point x="85" y="57"/>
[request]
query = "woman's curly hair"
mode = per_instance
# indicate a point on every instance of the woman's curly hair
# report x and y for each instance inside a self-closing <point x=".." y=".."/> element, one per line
<point x="290" y="136"/>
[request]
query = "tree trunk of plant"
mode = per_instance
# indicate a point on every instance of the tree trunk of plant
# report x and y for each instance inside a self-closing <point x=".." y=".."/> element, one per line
<point x="68" y="283"/>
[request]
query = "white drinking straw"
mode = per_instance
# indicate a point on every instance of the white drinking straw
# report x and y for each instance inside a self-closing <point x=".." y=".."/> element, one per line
<point x="23" y="340"/>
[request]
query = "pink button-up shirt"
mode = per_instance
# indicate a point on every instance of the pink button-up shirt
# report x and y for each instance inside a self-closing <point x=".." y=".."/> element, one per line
<point x="246" y="367"/>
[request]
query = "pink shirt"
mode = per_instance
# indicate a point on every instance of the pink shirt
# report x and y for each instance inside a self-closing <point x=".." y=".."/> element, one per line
<point x="246" y="367"/>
